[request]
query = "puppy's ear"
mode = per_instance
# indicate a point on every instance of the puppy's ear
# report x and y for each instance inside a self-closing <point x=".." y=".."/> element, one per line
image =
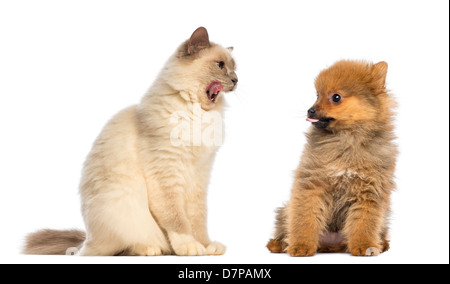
<point x="199" y="40"/>
<point x="379" y="72"/>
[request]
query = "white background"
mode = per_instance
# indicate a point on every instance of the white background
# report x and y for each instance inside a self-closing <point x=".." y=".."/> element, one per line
<point x="67" y="66"/>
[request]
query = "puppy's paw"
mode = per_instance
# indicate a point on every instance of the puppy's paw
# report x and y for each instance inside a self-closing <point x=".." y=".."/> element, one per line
<point x="275" y="246"/>
<point x="372" y="251"/>
<point x="365" y="251"/>
<point x="215" y="248"/>
<point x="301" y="250"/>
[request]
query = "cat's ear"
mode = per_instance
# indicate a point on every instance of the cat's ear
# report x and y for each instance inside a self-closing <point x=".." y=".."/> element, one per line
<point x="199" y="40"/>
<point x="379" y="73"/>
<point x="230" y="48"/>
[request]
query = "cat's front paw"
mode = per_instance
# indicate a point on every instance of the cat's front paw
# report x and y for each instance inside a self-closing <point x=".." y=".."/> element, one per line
<point x="150" y="250"/>
<point x="191" y="248"/>
<point x="215" y="248"/>
<point x="153" y="251"/>
<point x="186" y="245"/>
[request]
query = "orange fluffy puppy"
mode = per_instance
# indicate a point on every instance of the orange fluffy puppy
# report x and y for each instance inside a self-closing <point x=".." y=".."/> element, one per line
<point x="341" y="194"/>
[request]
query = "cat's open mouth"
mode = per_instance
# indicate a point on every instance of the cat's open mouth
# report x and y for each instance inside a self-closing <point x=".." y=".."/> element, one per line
<point x="213" y="90"/>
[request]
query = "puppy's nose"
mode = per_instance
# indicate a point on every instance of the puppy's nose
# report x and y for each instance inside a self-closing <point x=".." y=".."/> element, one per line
<point x="312" y="111"/>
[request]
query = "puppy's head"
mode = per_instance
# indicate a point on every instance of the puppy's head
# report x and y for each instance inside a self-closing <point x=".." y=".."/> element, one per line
<point x="201" y="70"/>
<point x="350" y="93"/>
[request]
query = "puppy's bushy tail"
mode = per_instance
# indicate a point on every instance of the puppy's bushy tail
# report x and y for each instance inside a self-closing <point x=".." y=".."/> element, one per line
<point x="278" y="244"/>
<point x="54" y="242"/>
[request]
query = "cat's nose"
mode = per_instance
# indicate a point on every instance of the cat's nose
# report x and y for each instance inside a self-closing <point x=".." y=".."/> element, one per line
<point x="234" y="80"/>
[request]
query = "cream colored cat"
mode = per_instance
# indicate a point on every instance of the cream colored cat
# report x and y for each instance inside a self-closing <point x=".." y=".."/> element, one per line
<point x="141" y="192"/>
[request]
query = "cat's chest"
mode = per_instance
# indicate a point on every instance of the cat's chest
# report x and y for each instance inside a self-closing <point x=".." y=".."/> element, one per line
<point x="199" y="130"/>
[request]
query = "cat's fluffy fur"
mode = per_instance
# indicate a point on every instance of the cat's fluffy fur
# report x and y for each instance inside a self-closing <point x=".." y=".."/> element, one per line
<point x="140" y="194"/>
<point x="340" y="199"/>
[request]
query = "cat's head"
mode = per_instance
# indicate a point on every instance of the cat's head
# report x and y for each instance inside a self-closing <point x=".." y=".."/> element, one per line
<point x="202" y="70"/>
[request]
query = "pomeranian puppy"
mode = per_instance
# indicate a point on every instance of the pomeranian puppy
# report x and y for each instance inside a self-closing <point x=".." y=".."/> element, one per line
<point x="340" y="199"/>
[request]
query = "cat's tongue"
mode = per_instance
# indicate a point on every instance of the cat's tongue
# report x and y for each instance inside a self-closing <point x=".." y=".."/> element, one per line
<point x="312" y="120"/>
<point x="213" y="90"/>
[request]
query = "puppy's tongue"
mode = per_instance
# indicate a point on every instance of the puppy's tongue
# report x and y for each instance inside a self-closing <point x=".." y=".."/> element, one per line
<point x="312" y="120"/>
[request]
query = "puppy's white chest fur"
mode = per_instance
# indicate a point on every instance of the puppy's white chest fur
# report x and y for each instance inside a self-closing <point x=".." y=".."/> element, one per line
<point x="348" y="173"/>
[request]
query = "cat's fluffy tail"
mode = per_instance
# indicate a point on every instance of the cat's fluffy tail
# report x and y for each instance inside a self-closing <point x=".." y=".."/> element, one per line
<point x="54" y="242"/>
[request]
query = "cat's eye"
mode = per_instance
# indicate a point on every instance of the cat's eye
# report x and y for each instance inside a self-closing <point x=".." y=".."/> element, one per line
<point x="336" y="98"/>
<point x="221" y="64"/>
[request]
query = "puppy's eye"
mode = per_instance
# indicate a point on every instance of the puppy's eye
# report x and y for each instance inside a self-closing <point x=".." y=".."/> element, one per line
<point x="336" y="98"/>
<point x="221" y="64"/>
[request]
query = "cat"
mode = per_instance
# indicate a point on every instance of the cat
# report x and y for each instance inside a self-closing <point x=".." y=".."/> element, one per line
<point x="141" y="193"/>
